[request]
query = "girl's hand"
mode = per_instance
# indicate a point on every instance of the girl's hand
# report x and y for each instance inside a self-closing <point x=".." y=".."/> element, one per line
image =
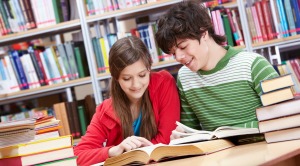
<point x="128" y="144"/>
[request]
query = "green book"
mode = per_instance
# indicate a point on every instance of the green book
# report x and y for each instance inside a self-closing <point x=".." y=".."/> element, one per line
<point x="227" y="29"/>
<point x="82" y="119"/>
<point x="57" y="11"/>
<point x="64" y="161"/>
<point x="79" y="62"/>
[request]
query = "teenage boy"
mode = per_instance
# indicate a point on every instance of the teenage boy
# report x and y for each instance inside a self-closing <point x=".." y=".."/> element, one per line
<point x="218" y="86"/>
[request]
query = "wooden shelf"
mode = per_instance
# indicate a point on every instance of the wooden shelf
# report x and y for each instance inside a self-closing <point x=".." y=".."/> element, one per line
<point x="131" y="10"/>
<point x="34" y="33"/>
<point x="276" y="42"/>
<point x="45" y="89"/>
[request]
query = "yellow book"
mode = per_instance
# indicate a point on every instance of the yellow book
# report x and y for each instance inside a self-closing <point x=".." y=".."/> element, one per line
<point x="161" y="152"/>
<point x="54" y="53"/>
<point x="43" y="145"/>
<point x="104" y="53"/>
<point x="276" y="83"/>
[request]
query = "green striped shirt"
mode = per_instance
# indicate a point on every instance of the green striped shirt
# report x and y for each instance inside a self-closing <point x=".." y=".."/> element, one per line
<point x="226" y="95"/>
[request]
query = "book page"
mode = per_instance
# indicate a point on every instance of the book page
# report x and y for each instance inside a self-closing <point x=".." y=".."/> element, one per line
<point x="227" y="131"/>
<point x="191" y="138"/>
<point x="191" y="130"/>
<point x="147" y="149"/>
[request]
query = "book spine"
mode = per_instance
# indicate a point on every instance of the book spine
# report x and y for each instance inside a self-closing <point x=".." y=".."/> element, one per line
<point x="36" y="66"/>
<point x="290" y="18"/>
<point x="261" y="20"/>
<point x="20" y="70"/>
<point x="296" y="13"/>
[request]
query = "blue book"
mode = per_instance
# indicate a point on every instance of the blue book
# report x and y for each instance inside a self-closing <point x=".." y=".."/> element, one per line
<point x="282" y="18"/>
<point x="296" y="13"/>
<point x="290" y="17"/>
<point x="19" y="68"/>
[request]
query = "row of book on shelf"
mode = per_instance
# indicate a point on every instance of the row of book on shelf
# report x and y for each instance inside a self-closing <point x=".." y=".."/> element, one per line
<point x="35" y="141"/>
<point x="95" y="7"/>
<point x="291" y="66"/>
<point x="38" y="66"/>
<point x="22" y="15"/>
<point x="68" y="61"/>
<point x="272" y="19"/>
<point x="226" y="21"/>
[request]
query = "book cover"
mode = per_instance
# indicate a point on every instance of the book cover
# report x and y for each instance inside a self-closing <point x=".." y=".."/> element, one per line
<point x="276" y="96"/>
<point x="282" y="135"/>
<point x="282" y="109"/>
<point x="279" y="123"/>
<point x="36" y="146"/>
<point x="39" y="157"/>
<point x="276" y="83"/>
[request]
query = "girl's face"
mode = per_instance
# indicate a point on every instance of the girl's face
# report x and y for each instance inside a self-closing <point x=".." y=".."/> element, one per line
<point x="134" y="80"/>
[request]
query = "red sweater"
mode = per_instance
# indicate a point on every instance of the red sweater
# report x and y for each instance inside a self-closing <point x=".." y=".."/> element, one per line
<point x="105" y="126"/>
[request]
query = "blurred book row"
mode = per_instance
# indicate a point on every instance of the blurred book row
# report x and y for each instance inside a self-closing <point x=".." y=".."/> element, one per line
<point x="38" y="66"/>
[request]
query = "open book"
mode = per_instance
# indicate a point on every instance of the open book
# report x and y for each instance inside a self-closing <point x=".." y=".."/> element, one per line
<point x="193" y="135"/>
<point x="160" y="152"/>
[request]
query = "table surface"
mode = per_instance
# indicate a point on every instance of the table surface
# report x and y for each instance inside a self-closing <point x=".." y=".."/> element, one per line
<point x="259" y="153"/>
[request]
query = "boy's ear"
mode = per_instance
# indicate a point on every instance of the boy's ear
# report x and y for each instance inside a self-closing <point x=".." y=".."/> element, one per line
<point x="205" y="35"/>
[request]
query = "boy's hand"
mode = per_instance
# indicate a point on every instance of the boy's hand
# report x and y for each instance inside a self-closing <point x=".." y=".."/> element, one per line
<point x="128" y="144"/>
<point x="174" y="134"/>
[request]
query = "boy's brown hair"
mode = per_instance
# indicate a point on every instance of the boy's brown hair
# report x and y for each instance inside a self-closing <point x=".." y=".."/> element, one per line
<point x="186" y="20"/>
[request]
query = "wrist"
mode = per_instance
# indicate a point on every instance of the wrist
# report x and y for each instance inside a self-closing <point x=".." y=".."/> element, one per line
<point x="114" y="151"/>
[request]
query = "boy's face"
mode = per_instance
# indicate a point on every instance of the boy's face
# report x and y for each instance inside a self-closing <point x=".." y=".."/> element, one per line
<point x="191" y="53"/>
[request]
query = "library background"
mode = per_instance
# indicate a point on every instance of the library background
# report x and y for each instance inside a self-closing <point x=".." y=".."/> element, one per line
<point x="54" y="53"/>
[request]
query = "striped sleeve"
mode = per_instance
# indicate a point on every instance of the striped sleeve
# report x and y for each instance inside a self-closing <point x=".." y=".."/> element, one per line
<point x="261" y="70"/>
<point x="187" y="116"/>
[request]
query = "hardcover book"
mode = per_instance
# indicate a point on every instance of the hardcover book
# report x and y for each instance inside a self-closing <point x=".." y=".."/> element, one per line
<point x="193" y="135"/>
<point x="286" y="108"/>
<point x="161" y="152"/>
<point x="279" y="123"/>
<point x="277" y="83"/>
<point x="283" y="135"/>
<point x="36" y="147"/>
<point x="39" y="157"/>
<point x="276" y="96"/>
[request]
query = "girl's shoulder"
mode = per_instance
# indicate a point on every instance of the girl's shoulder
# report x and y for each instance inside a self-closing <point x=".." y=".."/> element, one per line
<point x="105" y="108"/>
<point x="161" y="75"/>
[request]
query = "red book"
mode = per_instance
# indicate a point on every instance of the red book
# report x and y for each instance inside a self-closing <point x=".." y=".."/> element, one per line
<point x="268" y="18"/>
<point x="39" y="157"/>
<point x="258" y="7"/>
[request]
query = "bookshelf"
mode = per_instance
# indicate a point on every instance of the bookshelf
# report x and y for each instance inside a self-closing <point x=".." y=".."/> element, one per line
<point x="39" y="32"/>
<point x="85" y="23"/>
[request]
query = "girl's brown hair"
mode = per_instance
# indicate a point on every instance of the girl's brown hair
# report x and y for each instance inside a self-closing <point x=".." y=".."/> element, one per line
<point x="123" y="53"/>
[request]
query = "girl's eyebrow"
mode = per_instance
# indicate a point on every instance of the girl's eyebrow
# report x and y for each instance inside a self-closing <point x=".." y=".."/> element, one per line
<point x="138" y="73"/>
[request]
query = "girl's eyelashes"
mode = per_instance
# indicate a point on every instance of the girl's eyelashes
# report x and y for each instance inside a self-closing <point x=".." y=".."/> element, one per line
<point x="126" y="79"/>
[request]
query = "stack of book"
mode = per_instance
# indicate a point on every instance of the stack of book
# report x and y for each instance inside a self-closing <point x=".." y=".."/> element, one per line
<point x="45" y="148"/>
<point x="279" y="117"/>
<point x="46" y="127"/>
<point x="21" y="131"/>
